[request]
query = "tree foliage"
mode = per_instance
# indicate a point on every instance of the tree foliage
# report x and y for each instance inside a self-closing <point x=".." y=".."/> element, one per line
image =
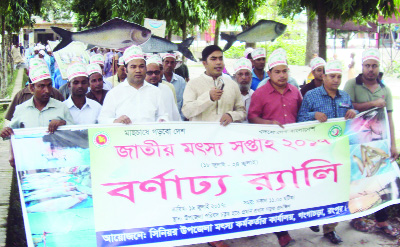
<point x="14" y="14"/>
<point x="54" y="10"/>
<point x="91" y="13"/>
<point x="180" y="15"/>
<point x="344" y="10"/>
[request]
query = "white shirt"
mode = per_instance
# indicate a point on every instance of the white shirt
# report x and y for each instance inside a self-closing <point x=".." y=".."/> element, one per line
<point x="246" y="101"/>
<point x="87" y="115"/>
<point x="168" y="100"/>
<point x="140" y="105"/>
<point x="107" y="85"/>
<point x="180" y="85"/>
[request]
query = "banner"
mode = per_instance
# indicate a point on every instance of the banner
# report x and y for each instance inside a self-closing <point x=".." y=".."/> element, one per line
<point x="157" y="27"/>
<point x="75" y="51"/>
<point x="172" y="184"/>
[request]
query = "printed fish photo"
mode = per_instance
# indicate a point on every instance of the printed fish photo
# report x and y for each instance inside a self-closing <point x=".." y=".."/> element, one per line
<point x="56" y="199"/>
<point x="370" y="192"/>
<point x="370" y="127"/>
<point x="61" y="149"/>
<point x="56" y="189"/>
<point x="369" y="159"/>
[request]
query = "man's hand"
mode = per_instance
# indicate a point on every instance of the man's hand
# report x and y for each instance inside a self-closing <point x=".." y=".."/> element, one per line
<point x="277" y="123"/>
<point x="226" y="119"/>
<point x="215" y="94"/>
<point x="350" y="114"/>
<point x="379" y="103"/>
<point x="321" y="117"/>
<point x="123" y="119"/>
<point x="394" y="154"/>
<point x="54" y="124"/>
<point x="7" y="132"/>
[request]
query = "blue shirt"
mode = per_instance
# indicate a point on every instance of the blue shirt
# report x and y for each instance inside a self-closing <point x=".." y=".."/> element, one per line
<point x="57" y="79"/>
<point x="179" y="85"/>
<point x="318" y="100"/>
<point x="255" y="81"/>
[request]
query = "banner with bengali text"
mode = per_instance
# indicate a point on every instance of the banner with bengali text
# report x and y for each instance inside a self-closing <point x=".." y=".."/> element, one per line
<point x="173" y="184"/>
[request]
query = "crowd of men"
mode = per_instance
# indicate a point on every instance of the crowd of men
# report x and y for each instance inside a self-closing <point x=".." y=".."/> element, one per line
<point x="147" y="89"/>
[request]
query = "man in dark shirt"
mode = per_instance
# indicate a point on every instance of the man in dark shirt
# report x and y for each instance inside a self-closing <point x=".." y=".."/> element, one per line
<point x="97" y="92"/>
<point x="317" y="69"/>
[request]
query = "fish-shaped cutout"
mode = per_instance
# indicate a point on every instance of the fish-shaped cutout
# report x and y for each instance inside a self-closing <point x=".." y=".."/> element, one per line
<point x="263" y="30"/>
<point x="157" y="45"/>
<point x="115" y="34"/>
<point x="58" y="204"/>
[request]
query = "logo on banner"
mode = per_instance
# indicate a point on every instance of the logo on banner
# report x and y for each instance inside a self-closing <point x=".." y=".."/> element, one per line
<point x="335" y="131"/>
<point x="101" y="139"/>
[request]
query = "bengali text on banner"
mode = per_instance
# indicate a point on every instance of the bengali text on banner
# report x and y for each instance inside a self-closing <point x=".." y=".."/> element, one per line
<point x="171" y="184"/>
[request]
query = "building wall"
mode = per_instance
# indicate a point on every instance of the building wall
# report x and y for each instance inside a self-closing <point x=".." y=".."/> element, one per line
<point x="42" y="32"/>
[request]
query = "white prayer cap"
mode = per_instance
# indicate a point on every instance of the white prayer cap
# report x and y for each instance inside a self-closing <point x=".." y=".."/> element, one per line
<point x="178" y="55"/>
<point x="97" y="58"/>
<point x="154" y="59"/>
<point x="75" y="70"/>
<point x="278" y="57"/>
<point x="165" y="55"/>
<point x="247" y="51"/>
<point x="34" y="62"/>
<point x="371" y="53"/>
<point x="48" y="48"/>
<point x="258" y="53"/>
<point x="317" y="62"/>
<point x="121" y="61"/>
<point x="39" y="73"/>
<point x="35" y="48"/>
<point x="333" y="67"/>
<point x="133" y="52"/>
<point x="41" y="52"/>
<point x="242" y="63"/>
<point x="93" y="68"/>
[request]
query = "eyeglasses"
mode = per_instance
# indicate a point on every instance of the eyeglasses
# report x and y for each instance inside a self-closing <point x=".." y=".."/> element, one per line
<point x="156" y="72"/>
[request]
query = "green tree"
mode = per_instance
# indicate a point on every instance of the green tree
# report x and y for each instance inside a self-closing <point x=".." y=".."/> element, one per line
<point x="181" y="15"/>
<point x="241" y="12"/>
<point x="344" y="10"/>
<point x="14" y="14"/>
<point x="91" y="13"/>
<point x="53" y="10"/>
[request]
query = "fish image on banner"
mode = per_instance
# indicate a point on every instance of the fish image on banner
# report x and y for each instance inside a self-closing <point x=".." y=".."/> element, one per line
<point x="263" y="30"/>
<point x="56" y="189"/>
<point x="114" y="34"/>
<point x="158" y="45"/>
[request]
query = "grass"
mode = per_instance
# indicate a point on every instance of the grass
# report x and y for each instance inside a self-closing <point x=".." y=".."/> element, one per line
<point x="8" y="94"/>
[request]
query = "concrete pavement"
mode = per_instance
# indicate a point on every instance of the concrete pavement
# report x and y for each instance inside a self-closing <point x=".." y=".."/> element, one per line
<point x="6" y="172"/>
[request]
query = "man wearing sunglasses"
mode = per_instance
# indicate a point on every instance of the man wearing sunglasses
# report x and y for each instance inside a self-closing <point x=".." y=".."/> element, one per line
<point x="134" y="100"/>
<point x="153" y="76"/>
